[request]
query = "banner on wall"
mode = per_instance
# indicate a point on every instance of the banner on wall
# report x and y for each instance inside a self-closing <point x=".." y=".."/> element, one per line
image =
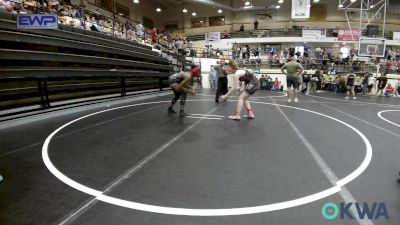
<point x="396" y="36"/>
<point x="345" y="35"/>
<point x="213" y="36"/>
<point x="314" y="33"/>
<point x="37" y="21"/>
<point x="301" y="9"/>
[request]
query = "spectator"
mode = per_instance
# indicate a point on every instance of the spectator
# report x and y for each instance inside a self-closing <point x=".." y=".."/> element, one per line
<point x="364" y="84"/>
<point x="292" y="70"/>
<point x="389" y="90"/>
<point x="382" y="81"/>
<point x="226" y="34"/>
<point x="306" y="83"/>
<point x="277" y="85"/>
<point x="139" y="31"/>
<point x="389" y="63"/>
<point x="213" y="78"/>
<point x="154" y="36"/>
<point x="314" y="82"/>
<point x="398" y="88"/>
<point x="241" y="28"/>
<point x="256" y="24"/>
<point x="180" y="45"/>
<point x="371" y="82"/>
<point x="222" y="83"/>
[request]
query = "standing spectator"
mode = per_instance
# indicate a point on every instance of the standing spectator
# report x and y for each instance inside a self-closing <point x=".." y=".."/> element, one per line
<point x="256" y="24"/>
<point x="180" y="45"/>
<point x="242" y="28"/>
<point x="306" y="83"/>
<point x="80" y="14"/>
<point x="139" y="31"/>
<point x="329" y="52"/>
<point x="398" y="88"/>
<point x="382" y="81"/>
<point x="371" y="82"/>
<point x="314" y="82"/>
<point x="364" y="84"/>
<point x="154" y="36"/>
<point x="222" y="83"/>
<point x="212" y="78"/>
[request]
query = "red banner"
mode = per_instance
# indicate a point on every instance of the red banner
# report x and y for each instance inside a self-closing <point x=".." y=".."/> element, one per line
<point x="345" y="34"/>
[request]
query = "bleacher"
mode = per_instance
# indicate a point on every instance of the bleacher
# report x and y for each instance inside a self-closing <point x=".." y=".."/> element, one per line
<point x="42" y="67"/>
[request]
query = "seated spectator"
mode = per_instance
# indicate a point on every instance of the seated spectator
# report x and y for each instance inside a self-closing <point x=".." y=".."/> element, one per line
<point x="241" y="28"/>
<point x="389" y="90"/>
<point x="276" y="86"/>
<point x="11" y="6"/>
<point x="226" y="34"/>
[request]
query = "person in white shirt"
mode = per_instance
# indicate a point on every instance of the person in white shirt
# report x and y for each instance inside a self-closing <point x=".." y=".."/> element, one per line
<point x="139" y="30"/>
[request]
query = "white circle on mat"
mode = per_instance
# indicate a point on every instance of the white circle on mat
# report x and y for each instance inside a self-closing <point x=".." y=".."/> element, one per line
<point x="99" y="195"/>
<point x="383" y="118"/>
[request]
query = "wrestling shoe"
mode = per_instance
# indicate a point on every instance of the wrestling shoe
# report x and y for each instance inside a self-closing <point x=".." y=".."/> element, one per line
<point x="234" y="117"/>
<point x="171" y="110"/>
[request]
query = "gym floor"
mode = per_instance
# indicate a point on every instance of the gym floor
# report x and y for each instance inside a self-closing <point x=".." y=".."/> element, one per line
<point x="129" y="162"/>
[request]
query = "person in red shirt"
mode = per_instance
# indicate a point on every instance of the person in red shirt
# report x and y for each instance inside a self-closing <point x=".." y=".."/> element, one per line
<point x="389" y="90"/>
<point x="276" y="86"/>
<point x="154" y="35"/>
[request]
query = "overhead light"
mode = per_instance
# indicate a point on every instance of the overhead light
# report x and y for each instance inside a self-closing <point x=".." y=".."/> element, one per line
<point x="277" y="7"/>
<point x="372" y="6"/>
<point x="219" y="10"/>
<point x="120" y="14"/>
<point x="316" y="1"/>
<point x="223" y="19"/>
<point x="136" y="1"/>
<point x="201" y="21"/>
<point x="194" y="13"/>
<point x="184" y="10"/>
<point x="340" y="6"/>
<point x="353" y="1"/>
<point x="247" y="3"/>
<point x="280" y="1"/>
<point x="344" y="43"/>
<point x="248" y="6"/>
<point x="158" y="10"/>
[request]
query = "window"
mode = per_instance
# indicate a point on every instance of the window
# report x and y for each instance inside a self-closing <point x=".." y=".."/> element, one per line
<point x="198" y="22"/>
<point x="121" y="10"/>
<point x="171" y="25"/>
<point x="147" y="22"/>
<point x="107" y="5"/>
<point x="217" y="21"/>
